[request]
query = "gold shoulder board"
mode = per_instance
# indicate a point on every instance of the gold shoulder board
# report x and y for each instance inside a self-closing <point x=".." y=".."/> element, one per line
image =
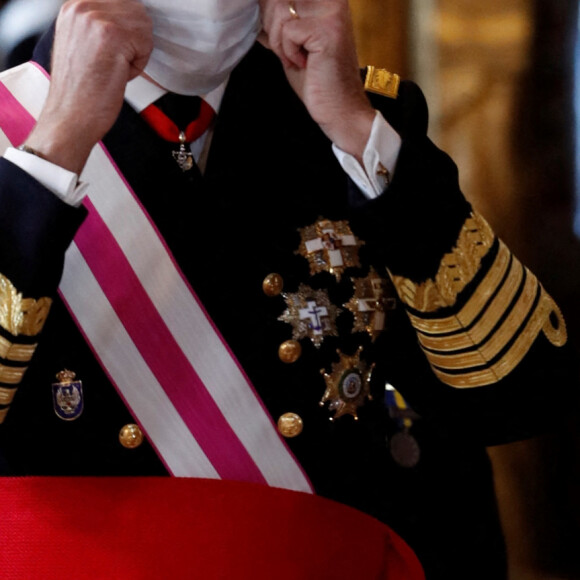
<point x="382" y="82"/>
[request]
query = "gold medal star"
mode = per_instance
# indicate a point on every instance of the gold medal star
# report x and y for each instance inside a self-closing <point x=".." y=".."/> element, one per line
<point x="347" y="386"/>
<point x="311" y="314"/>
<point x="329" y="247"/>
<point x="370" y="302"/>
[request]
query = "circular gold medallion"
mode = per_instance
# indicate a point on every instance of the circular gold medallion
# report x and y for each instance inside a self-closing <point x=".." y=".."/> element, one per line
<point x="272" y="285"/>
<point x="289" y="351"/>
<point x="290" y="425"/>
<point x="131" y="436"/>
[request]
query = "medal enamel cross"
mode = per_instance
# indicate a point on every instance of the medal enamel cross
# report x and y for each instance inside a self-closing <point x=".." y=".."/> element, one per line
<point x="329" y="247"/>
<point x="372" y="298"/>
<point x="311" y="314"/>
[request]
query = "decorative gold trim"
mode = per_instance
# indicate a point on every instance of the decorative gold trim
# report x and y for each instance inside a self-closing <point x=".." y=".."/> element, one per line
<point x="496" y="343"/>
<point x="16" y="352"/>
<point x="20" y="315"/>
<point x="491" y="316"/>
<point x="511" y="359"/>
<point x="456" y="270"/>
<point x="6" y="395"/>
<point x="382" y="82"/>
<point x="11" y="375"/>
<point x="3" y="413"/>
<point x="558" y="336"/>
<point x="474" y="305"/>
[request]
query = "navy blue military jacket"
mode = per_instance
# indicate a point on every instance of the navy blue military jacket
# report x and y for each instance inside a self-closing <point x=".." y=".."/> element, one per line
<point x="270" y="172"/>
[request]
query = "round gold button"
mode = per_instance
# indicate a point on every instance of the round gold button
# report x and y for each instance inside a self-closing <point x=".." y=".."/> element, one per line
<point x="290" y="425"/>
<point x="272" y="284"/>
<point x="131" y="436"/>
<point x="289" y="351"/>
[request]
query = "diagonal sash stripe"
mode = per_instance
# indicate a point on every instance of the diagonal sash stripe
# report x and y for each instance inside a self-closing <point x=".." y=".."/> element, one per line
<point x="4" y="142"/>
<point x="161" y="353"/>
<point x="15" y="125"/>
<point x="159" y="397"/>
<point x="154" y="411"/>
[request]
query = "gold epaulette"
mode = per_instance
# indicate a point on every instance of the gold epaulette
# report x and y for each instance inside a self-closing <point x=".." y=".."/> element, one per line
<point x="382" y="82"/>
<point x="19" y="317"/>
<point x="484" y="340"/>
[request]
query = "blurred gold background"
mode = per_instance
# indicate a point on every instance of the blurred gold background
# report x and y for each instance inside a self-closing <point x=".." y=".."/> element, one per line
<point x="499" y="79"/>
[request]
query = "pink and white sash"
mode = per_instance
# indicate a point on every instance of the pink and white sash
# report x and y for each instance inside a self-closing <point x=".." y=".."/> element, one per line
<point x="148" y="329"/>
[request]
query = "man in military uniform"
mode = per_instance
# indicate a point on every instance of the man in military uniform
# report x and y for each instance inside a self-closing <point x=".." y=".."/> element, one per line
<point x="289" y="290"/>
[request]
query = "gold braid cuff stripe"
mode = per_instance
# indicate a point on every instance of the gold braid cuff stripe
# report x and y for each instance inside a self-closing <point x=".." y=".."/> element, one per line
<point x="6" y="395"/>
<point x="20" y="315"/>
<point x="456" y="270"/>
<point x="470" y="336"/>
<point x="11" y="375"/>
<point x="3" y="413"/>
<point x="538" y="322"/>
<point x="16" y="352"/>
<point x="495" y="343"/>
<point x="474" y="305"/>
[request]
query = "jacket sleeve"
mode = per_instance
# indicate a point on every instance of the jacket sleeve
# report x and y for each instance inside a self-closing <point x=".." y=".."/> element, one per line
<point x="35" y="230"/>
<point x="495" y="340"/>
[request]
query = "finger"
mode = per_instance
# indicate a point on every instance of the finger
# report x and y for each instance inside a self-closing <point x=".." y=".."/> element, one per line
<point x="295" y="36"/>
<point x="275" y="15"/>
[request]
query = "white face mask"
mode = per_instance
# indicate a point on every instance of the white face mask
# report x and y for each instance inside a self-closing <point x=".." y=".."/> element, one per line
<point x="197" y="43"/>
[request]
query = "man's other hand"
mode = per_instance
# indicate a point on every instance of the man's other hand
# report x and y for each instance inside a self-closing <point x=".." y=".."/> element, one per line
<point x="314" y="39"/>
<point x="99" y="46"/>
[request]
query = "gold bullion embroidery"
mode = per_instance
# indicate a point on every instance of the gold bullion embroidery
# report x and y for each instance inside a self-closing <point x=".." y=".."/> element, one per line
<point x="311" y="314"/>
<point x="383" y="82"/>
<point x="3" y="413"/>
<point x="538" y="322"/>
<point x="329" y="247"/>
<point x="556" y="333"/>
<point x="492" y="313"/>
<point x="490" y="346"/>
<point x="11" y="375"/>
<point x="16" y="352"/>
<point x="369" y="304"/>
<point x="6" y="395"/>
<point x="456" y="270"/>
<point x="460" y="347"/>
<point x="476" y="303"/>
<point x="20" y="315"/>
<point x="348" y="385"/>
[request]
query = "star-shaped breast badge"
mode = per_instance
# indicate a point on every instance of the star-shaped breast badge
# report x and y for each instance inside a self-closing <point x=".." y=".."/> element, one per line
<point x="348" y="385"/>
<point x="311" y="314"/>
<point x="370" y="303"/>
<point x="329" y="247"/>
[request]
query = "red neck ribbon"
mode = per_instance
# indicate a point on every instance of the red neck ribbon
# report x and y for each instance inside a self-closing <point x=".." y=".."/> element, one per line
<point x="169" y="131"/>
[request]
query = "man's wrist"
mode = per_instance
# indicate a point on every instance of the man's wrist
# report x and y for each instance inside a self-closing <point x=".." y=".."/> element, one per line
<point x="63" y="183"/>
<point x="379" y="159"/>
<point x="352" y="133"/>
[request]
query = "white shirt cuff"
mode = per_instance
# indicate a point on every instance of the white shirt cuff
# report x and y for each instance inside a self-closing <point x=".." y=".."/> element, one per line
<point x="63" y="183"/>
<point x="380" y="154"/>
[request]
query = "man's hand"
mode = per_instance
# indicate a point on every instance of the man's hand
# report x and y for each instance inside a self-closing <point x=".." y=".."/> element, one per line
<point x="99" y="46"/>
<point x="317" y="49"/>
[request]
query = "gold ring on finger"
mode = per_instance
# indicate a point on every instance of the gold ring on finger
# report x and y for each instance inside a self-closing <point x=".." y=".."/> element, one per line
<point x="292" y="9"/>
